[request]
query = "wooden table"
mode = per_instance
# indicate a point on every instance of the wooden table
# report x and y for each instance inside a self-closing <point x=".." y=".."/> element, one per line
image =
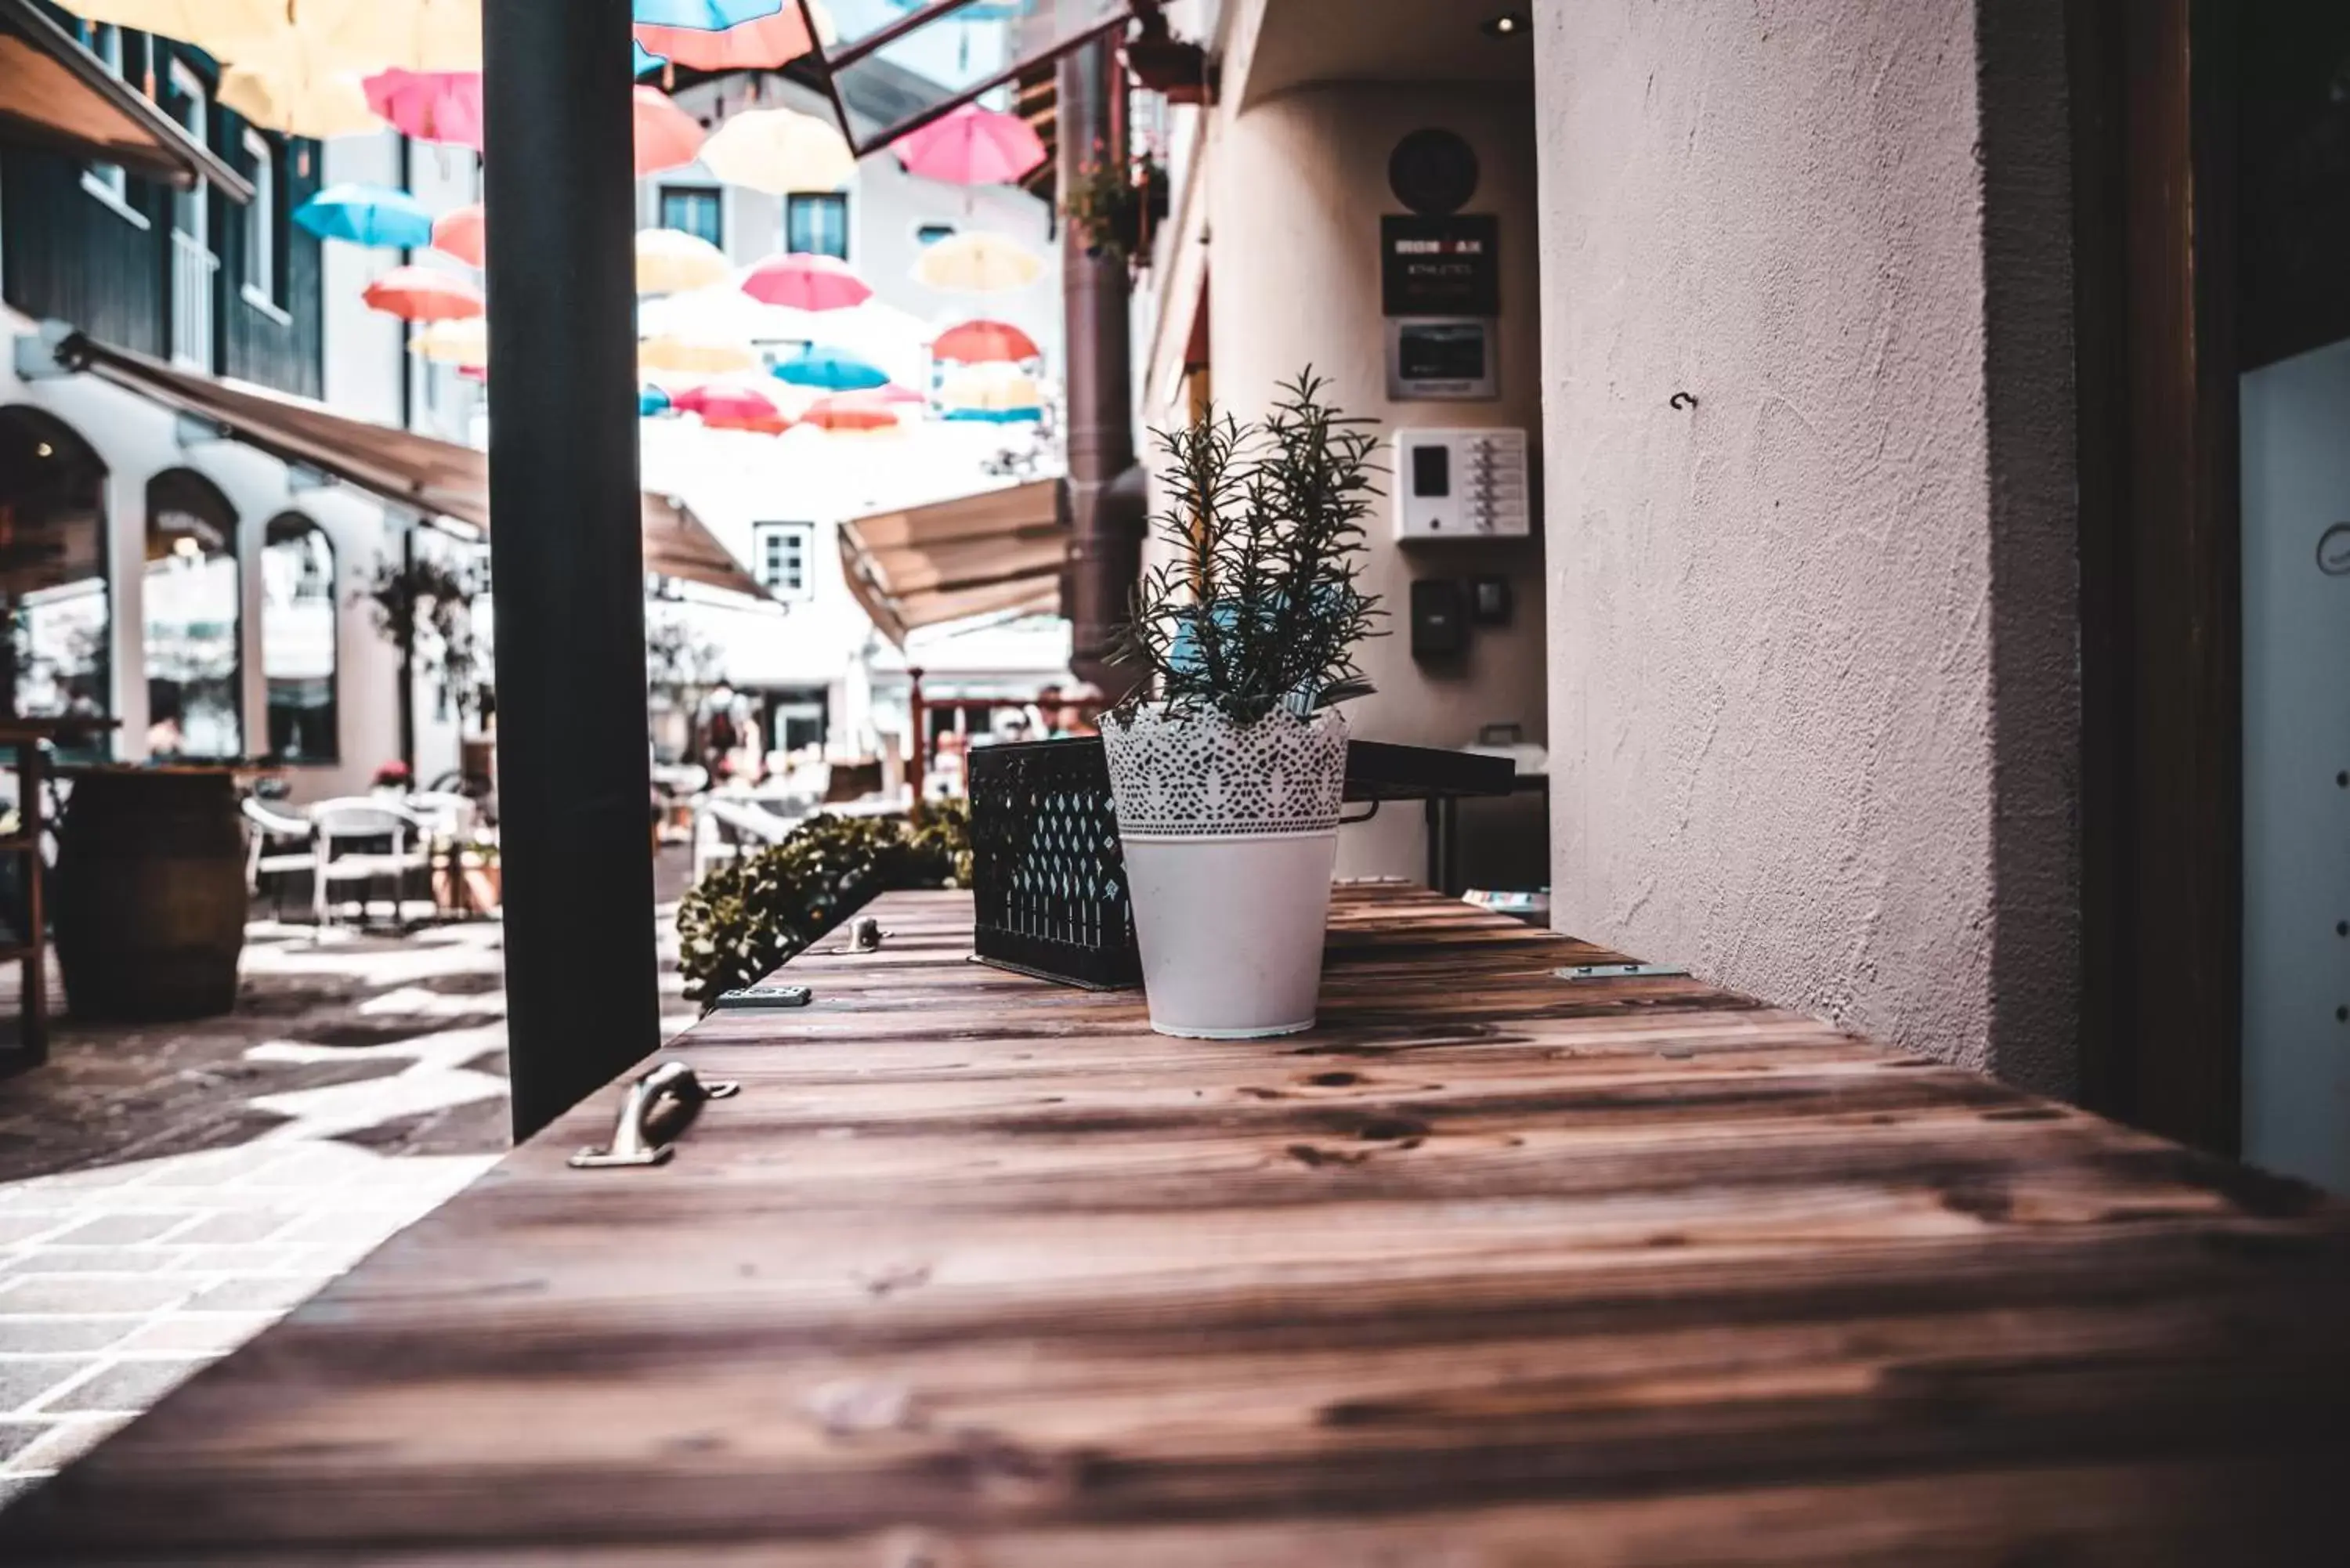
<point x="1492" y="1269"/>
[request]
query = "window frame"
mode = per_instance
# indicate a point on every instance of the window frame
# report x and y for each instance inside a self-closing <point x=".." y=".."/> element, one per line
<point x="766" y="535"/>
<point x="800" y="202"/>
<point x="282" y="529"/>
<point x="110" y="184"/>
<point x="263" y="276"/>
<point x="714" y="194"/>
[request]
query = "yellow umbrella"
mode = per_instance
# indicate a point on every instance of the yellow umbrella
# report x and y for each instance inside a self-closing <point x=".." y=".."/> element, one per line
<point x="464" y="341"/>
<point x="670" y="261"/>
<point x="689" y="354"/>
<point x="977" y="262"/>
<point x="351" y="35"/>
<point x="293" y="91"/>
<point x="208" y="23"/>
<point x="779" y="151"/>
<point x="990" y="393"/>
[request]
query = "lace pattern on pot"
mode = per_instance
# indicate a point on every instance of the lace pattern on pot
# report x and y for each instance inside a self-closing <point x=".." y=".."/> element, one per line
<point x="1204" y="777"/>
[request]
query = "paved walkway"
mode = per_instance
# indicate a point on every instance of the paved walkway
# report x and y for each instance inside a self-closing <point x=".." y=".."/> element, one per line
<point x="167" y="1191"/>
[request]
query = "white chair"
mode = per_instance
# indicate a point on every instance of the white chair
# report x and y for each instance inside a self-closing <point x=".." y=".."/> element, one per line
<point x="372" y="822"/>
<point x="446" y="815"/>
<point x="726" y="827"/>
<point x="265" y="855"/>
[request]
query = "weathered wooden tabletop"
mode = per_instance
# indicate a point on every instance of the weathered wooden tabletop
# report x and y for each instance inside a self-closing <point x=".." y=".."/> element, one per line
<point x="1493" y="1267"/>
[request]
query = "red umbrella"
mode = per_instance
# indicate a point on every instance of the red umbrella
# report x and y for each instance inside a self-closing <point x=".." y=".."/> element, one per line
<point x="459" y="234"/>
<point x="985" y="343"/>
<point x="424" y="294"/>
<point x="849" y="411"/>
<point x="761" y="44"/>
<point x="801" y="281"/>
<point x="430" y="106"/>
<point x="973" y="146"/>
<point x="666" y="135"/>
<point x="731" y="408"/>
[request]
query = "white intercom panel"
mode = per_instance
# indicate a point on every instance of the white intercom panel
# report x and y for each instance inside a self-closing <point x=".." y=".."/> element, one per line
<point x="1461" y="485"/>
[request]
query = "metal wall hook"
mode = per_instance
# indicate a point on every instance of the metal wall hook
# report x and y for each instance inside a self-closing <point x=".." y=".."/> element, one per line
<point x="660" y="1105"/>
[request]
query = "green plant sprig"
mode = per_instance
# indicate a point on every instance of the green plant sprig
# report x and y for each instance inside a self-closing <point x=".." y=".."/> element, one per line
<point x="1259" y="606"/>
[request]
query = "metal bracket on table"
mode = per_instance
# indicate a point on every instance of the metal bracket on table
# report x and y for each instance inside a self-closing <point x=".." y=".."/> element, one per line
<point x="1618" y="970"/>
<point x="865" y="936"/>
<point x="662" y="1100"/>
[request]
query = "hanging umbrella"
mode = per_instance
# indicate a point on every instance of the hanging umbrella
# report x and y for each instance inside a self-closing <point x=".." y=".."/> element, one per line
<point x="677" y="353"/>
<point x="977" y="262"/>
<point x="831" y="370"/>
<point x="650" y="400"/>
<point x="763" y="43"/>
<point x="992" y="416"/>
<point x="342" y="34"/>
<point x="670" y="261"/>
<point x="985" y="343"/>
<point x="972" y="145"/>
<point x="705" y="16"/>
<point x="979" y="391"/>
<point x="645" y="60"/>
<point x="850" y="413"/>
<point x="430" y="106"/>
<point x="409" y="35"/>
<point x="799" y="281"/>
<point x="424" y="294"/>
<point x="894" y="394"/>
<point x="460" y="233"/>
<point x="731" y="408"/>
<point x="297" y="98"/>
<point x="367" y="215"/>
<point x="667" y="137"/>
<point x="463" y="342"/>
<point x="978" y="10"/>
<point x="779" y="151"/>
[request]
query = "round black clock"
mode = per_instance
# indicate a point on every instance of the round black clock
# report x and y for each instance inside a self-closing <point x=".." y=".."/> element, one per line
<point x="1433" y="172"/>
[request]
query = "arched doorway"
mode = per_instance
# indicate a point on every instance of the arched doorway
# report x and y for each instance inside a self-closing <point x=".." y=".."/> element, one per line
<point x="297" y="639"/>
<point x="53" y="570"/>
<point x="191" y="611"/>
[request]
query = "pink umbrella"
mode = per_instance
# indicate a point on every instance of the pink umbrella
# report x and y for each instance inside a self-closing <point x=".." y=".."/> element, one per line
<point x="760" y="43"/>
<point x="973" y="146"/>
<point x="894" y="394"/>
<point x="459" y="233"/>
<point x="731" y="408"/>
<point x="424" y="294"/>
<point x="666" y="135"/>
<point x="430" y="106"/>
<point x="802" y="281"/>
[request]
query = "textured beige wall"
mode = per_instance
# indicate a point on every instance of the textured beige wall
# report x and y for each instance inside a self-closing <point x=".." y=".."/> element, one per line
<point x="1811" y="690"/>
<point x="1299" y="183"/>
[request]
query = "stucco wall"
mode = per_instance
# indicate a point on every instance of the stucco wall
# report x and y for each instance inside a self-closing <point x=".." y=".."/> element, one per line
<point x="1812" y="695"/>
<point x="1300" y="180"/>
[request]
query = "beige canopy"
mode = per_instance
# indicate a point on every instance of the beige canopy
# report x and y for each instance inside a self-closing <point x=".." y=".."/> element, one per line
<point x="1001" y="552"/>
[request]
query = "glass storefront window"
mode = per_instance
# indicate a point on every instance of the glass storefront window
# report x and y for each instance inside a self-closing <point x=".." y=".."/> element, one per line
<point x="192" y="613"/>
<point x="297" y="639"/>
<point x="53" y="573"/>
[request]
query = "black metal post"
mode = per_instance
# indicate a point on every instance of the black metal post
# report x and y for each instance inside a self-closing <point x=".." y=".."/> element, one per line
<point x="565" y="550"/>
<point x="1107" y="503"/>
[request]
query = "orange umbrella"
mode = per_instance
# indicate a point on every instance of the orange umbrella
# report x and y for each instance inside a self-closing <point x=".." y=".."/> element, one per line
<point x="849" y="411"/>
<point x="762" y="44"/>
<point x="985" y="343"/>
<point x="424" y="294"/>
<point x="459" y="234"/>
<point x="667" y="135"/>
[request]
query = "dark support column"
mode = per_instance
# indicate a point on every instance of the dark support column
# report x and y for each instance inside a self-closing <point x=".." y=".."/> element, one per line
<point x="1107" y="505"/>
<point x="566" y="551"/>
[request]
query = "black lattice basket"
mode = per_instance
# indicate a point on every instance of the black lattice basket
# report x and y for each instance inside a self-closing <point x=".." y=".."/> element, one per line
<point x="1047" y="879"/>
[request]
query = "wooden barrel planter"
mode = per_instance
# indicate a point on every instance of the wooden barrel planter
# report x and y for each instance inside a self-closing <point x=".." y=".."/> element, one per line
<point x="151" y="901"/>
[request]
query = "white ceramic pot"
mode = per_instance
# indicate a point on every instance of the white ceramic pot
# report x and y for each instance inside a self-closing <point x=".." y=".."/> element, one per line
<point x="1229" y="833"/>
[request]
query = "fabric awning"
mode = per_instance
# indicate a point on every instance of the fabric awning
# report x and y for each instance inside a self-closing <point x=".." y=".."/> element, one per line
<point x="1001" y="552"/>
<point x="430" y="476"/>
<point x="57" y="95"/>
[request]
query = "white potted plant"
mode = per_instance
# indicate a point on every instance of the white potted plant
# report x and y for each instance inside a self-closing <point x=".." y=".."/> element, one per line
<point x="1227" y="765"/>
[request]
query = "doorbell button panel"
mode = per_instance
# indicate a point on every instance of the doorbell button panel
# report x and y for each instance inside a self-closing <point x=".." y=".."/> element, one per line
<point x="1461" y="485"/>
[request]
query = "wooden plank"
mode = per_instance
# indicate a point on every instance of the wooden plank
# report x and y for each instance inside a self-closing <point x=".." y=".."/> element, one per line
<point x="1492" y="1268"/>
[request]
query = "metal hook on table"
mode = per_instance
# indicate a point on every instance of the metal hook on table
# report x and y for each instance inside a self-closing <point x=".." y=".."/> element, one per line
<point x="664" y="1099"/>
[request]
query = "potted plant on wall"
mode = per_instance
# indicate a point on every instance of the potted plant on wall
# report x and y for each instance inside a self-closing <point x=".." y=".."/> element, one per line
<point x="1226" y="767"/>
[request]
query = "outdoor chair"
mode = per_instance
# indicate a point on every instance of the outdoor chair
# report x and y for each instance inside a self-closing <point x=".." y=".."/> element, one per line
<point x="282" y="845"/>
<point x="724" y="827"/>
<point x="362" y="840"/>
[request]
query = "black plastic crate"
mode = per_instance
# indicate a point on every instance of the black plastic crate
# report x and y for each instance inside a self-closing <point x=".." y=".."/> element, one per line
<point x="1048" y="881"/>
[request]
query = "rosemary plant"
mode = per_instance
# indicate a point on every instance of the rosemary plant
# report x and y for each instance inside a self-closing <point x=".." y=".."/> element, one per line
<point x="1259" y="607"/>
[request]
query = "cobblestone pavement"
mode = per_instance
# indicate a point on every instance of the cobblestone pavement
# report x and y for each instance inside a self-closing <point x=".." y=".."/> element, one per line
<point x="166" y="1191"/>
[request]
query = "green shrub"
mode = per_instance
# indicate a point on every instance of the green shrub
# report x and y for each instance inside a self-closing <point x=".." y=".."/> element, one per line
<point x="749" y="914"/>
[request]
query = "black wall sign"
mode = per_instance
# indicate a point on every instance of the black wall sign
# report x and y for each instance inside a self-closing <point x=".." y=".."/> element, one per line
<point x="1441" y="267"/>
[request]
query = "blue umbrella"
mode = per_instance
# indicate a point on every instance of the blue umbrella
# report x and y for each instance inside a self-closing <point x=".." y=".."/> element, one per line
<point x="705" y="16"/>
<point x="646" y="59"/>
<point x="994" y="416"/>
<point x="367" y="215"/>
<point x="831" y="370"/>
<point x="979" y="11"/>
<point x="650" y="400"/>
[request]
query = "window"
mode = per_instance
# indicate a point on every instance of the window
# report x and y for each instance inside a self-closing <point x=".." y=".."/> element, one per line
<point x="931" y="233"/>
<point x="817" y="224"/>
<point x="191" y="593"/>
<point x="695" y="209"/>
<point x="782" y="551"/>
<point x="261" y="224"/>
<point x="53" y="494"/>
<point x="297" y="639"/>
<point x="106" y="181"/>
